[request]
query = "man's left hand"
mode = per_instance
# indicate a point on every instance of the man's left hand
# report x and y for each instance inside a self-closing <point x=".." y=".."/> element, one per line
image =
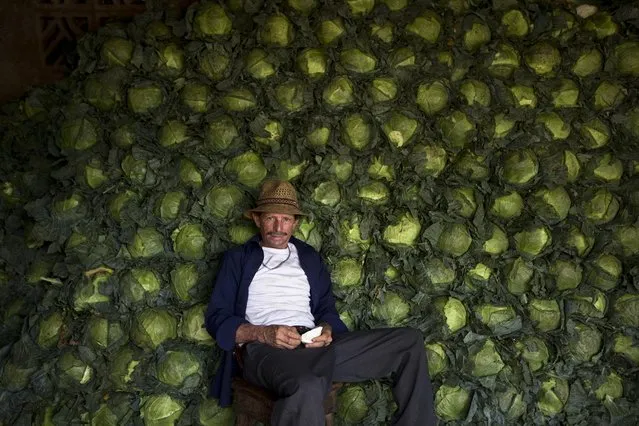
<point x="323" y="339"/>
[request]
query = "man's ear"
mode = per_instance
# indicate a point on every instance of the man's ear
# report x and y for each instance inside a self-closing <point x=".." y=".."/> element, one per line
<point x="256" y="219"/>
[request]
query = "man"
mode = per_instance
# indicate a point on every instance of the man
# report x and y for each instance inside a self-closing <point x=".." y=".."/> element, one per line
<point x="274" y="286"/>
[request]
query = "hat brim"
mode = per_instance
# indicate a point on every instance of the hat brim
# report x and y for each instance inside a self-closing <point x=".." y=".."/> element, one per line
<point x="274" y="208"/>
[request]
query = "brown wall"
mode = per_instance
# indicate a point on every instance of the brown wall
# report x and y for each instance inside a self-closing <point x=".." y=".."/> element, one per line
<point x="35" y="35"/>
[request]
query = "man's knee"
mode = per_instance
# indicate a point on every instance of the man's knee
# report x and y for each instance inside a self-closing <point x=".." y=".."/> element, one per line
<point x="308" y="386"/>
<point x="411" y="337"/>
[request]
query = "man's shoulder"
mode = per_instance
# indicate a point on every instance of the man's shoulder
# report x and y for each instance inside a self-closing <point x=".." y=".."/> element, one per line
<point x="245" y="249"/>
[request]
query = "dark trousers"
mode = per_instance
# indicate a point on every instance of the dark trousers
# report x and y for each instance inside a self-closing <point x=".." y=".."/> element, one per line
<point x="302" y="377"/>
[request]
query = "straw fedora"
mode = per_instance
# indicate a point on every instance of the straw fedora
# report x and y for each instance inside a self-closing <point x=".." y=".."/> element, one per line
<point x="276" y="196"/>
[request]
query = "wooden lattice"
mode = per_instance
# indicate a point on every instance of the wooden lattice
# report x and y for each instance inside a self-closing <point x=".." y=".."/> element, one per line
<point x="62" y="22"/>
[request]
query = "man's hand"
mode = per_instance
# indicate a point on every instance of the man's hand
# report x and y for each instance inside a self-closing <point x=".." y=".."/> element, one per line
<point x="280" y="336"/>
<point x="323" y="339"/>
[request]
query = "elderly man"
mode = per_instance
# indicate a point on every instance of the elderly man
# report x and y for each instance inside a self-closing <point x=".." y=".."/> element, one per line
<point x="273" y="288"/>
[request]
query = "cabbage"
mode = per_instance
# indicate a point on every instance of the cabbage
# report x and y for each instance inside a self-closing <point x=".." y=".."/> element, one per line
<point x="566" y="95"/>
<point x="475" y="92"/>
<point x="579" y="242"/>
<point x="102" y="333"/>
<point x="602" y="25"/>
<point x="440" y="275"/>
<point x="497" y="243"/>
<point x="78" y="134"/>
<point x="145" y="98"/>
<point x="533" y="241"/>
<point x="400" y="129"/>
<point x="523" y="96"/>
<point x="291" y="95"/>
<point x="122" y="367"/>
<point x="504" y="61"/>
<point x="453" y="313"/>
<point x="605" y="272"/>
<point x="241" y="233"/>
<point x="627" y="347"/>
<point x="117" y="51"/>
<point x="401" y="57"/>
<point x="173" y="132"/>
<point x="457" y="129"/>
<point x="184" y="277"/>
<point x="477" y="36"/>
<point x="374" y="192"/>
<point x="437" y="358"/>
<point x="592" y="303"/>
<point x="507" y="206"/>
<point x="432" y="97"/>
<point x="209" y="413"/>
<point x="248" y="168"/>
<point x="601" y="207"/>
<point x="567" y="274"/>
<point x="147" y="242"/>
<point x="189" y="174"/>
<point x="552" y="396"/>
<point x="179" y="369"/>
<point x="518" y="275"/>
<point x="554" y="124"/>
<point x="626" y="310"/>
<point x="309" y="232"/>
<point x="594" y="134"/>
<point x="404" y="232"/>
<point x="238" y="100"/>
<point x="611" y="388"/>
<point x="520" y="167"/>
<point x="534" y="351"/>
<point x="543" y="58"/>
<point x="192" y="326"/>
<point x="551" y="204"/>
<point x="347" y="273"/>
<point x="170" y="205"/>
<point x="628" y="238"/>
<point x="137" y="283"/>
<point x="312" y="62"/>
<point x="495" y="316"/>
<point x="356" y="131"/>
<point x="383" y="31"/>
<point x="214" y="63"/>
<point x="357" y="61"/>
<point x="608" y="95"/>
<point x="383" y="89"/>
<point x="427" y="26"/>
<point x="452" y="402"/>
<point x="352" y="406"/>
<point x="589" y="62"/>
<point x="338" y="92"/>
<point x="160" y="410"/>
<point x="212" y="21"/>
<point x="327" y="194"/>
<point x="259" y="65"/>
<point x="170" y="60"/>
<point x="454" y="239"/>
<point x="152" y="327"/>
<point x="392" y="310"/>
<point x="485" y="360"/>
<point x="195" y="96"/>
<point x="428" y="160"/>
<point x="584" y="341"/>
<point x="330" y="30"/>
<point x="515" y="24"/>
<point x="627" y="58"/>
<point x="73" y="370"/>
<point x="381" y="171"/>
<point x="511" y="403"/>
<point x="545" y="314"/>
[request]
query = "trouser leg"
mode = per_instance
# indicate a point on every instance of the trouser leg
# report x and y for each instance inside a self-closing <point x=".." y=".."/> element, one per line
<point x="397" y="353"/>
<point x="300" y="377"/>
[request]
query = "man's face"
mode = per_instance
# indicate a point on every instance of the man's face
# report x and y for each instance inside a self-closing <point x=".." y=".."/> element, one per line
<point x="276" y="228"/>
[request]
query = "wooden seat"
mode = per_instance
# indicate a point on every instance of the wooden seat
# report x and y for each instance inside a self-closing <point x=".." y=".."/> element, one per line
<point x="255" y="404"/>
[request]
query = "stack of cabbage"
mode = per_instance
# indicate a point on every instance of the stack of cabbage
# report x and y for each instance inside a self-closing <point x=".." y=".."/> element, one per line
<point x="469" y="171"/>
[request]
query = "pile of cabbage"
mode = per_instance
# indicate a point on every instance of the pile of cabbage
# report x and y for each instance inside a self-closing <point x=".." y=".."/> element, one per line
<point x="470" y="169"/>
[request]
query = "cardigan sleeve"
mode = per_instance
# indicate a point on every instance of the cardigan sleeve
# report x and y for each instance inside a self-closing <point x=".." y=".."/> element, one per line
<point x="220" y="320"/>
<point x="326" y="311"/>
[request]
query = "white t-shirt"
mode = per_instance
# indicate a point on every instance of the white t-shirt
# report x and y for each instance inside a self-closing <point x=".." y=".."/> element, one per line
<point x="280" y="295"/>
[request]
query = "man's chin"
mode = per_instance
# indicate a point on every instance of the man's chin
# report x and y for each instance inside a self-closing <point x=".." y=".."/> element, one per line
<point x="277" y="242"/>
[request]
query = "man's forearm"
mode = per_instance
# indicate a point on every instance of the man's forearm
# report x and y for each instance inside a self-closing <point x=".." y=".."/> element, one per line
<point x="250" y="333"/>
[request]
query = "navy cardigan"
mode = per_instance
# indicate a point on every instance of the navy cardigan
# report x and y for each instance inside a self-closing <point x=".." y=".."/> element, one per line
<point x="227" y="307"/>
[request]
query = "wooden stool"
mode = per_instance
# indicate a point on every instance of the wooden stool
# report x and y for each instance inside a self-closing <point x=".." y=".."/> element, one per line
<point x="255" y="404"/>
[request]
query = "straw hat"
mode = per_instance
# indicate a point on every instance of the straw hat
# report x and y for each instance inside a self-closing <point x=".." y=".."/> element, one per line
<point x="276" y="196"/>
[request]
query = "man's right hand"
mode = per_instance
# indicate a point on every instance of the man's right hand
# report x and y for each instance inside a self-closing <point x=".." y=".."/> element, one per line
<point x="280" y="336"/>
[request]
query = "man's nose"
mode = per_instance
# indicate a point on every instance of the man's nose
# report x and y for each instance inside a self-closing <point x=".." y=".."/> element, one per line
<point x="277" y="225"/>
